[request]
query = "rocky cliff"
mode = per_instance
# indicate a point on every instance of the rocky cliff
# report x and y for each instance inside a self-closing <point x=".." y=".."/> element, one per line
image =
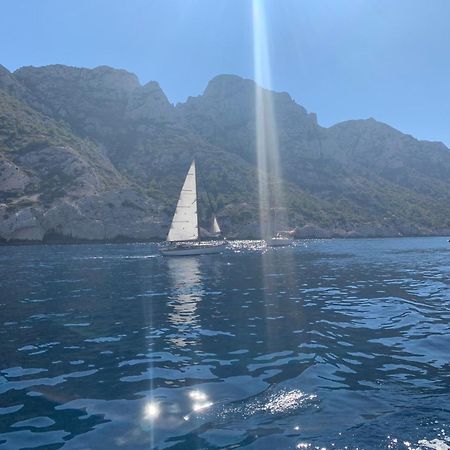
<point x="91" y="154"/>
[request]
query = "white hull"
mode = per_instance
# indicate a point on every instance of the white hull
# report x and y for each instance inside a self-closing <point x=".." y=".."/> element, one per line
<point x="279" y="241"/>
<point x="199" y="249"/>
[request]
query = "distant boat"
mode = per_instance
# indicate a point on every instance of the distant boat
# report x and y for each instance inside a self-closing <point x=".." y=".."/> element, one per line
<point x="184" y="233"/>
<point x="216" y="232"/>
<point x="281" y="239"/>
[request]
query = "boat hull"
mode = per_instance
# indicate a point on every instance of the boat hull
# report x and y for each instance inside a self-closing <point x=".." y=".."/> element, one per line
<point x="279" y="242"/>
<point x="201" y="249"/>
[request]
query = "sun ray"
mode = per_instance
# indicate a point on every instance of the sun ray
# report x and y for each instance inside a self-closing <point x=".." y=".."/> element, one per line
<point x="271" y="196"/>
<point x="270" y="189"/>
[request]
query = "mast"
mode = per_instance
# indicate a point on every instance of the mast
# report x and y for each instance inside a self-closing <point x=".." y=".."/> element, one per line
<point x="196" y="200"/>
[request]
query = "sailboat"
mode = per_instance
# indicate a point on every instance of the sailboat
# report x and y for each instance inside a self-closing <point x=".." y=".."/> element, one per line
<point x="215" y="232"/>
<point x="184" y="233"/>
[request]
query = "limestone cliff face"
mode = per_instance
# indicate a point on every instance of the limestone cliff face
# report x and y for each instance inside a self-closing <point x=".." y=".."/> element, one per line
<point x="98" y="103"/>
<point x="10" y="85"/>
<point x="148" y="103"/>
<point x="53" y="192"/>
<point x="225" y="115"/>
<point x="92" y="101"/>
<point x="12" y="178"/>
<point x="93" y="154"/>
<point x="108" y="216"/>
<point x="55" y="184"/>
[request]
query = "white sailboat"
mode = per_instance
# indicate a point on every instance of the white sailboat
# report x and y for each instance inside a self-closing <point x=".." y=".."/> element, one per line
<point x="216" y="232"/>
<point x="184" y="233"/>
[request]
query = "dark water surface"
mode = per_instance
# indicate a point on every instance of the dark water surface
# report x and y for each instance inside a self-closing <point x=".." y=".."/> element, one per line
<point x="328" y="344"/>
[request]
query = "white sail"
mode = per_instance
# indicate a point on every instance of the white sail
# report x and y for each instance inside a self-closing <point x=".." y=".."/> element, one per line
<point x="215" y="229"/>
<point x="185" y="220"/>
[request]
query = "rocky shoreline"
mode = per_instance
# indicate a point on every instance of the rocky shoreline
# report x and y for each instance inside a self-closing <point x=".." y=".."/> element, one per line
<point x="304" y="233"/>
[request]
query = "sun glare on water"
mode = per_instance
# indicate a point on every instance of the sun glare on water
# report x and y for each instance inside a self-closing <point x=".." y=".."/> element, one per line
<point x="151" y="411"/>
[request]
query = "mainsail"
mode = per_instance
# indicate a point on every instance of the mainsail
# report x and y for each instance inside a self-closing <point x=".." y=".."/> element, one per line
<point x="215" y="229"/>
<point x="185" y="220"/>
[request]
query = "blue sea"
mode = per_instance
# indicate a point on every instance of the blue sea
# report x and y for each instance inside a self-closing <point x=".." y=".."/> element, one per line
<point x="328" y="344"/>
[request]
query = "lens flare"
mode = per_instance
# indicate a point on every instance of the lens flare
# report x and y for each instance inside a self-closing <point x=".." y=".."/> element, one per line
<point x="272" y="211"/>
<point x="271" y="197"/>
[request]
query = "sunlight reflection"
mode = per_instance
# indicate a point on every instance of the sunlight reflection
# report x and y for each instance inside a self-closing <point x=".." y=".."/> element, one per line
<point x="198" y="396"/>
<point x="151" y="411"/>
<point x="201" y="401"/>
<point x="200" y="406"/>
<point x="187" y="291"/>
<point x="285" y="401"/>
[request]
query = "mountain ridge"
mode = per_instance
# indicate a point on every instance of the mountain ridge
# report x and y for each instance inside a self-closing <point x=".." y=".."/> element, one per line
<point x="117" y="152"/>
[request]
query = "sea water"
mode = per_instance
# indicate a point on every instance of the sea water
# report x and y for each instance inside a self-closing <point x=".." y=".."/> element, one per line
<point x="325" y="344"/>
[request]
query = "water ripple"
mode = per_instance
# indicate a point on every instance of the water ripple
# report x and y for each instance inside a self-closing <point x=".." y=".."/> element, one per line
<point x="327" y="344"/>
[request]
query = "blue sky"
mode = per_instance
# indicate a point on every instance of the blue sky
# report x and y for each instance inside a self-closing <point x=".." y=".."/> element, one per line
<point x="343" y="59"/>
